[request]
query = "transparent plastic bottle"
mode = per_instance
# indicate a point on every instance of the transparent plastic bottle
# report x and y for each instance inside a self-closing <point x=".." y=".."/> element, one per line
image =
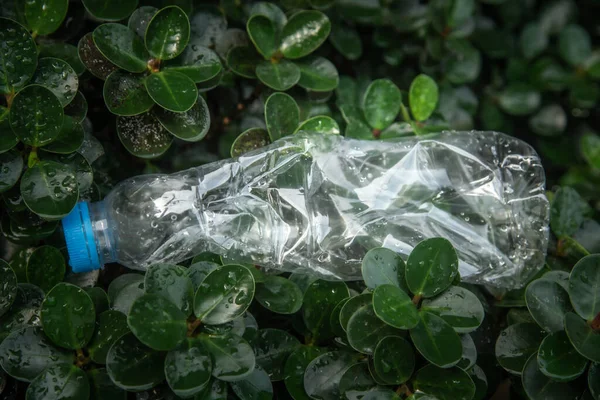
<point x="314" y="203"/>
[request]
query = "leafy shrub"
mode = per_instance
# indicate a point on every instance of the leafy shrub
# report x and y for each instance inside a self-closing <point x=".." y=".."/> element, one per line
<point x="97" y="91"/>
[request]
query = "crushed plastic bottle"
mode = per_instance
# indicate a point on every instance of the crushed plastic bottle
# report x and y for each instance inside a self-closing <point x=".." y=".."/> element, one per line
<point x="314" y="203"/>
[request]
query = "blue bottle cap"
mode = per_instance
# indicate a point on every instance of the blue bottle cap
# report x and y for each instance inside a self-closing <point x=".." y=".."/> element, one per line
<point x="77" y="227"/>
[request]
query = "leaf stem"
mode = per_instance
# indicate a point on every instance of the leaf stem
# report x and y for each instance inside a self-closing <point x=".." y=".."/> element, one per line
<point x="595" y="323"/>
<point x="405" y="114"/>
<point x="417" y="299"/>
<point x="154" y="65"/>
<point x="193" y="325"/>
<point x="9" y="98"/>
<point x="33" y="157"/>
<point x="404" y="390"/>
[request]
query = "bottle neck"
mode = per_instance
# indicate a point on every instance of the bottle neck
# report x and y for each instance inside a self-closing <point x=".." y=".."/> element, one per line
<point x="103" y="235"/>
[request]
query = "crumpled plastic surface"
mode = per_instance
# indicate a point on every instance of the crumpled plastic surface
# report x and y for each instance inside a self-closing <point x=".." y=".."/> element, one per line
<point x="314" y="203"/>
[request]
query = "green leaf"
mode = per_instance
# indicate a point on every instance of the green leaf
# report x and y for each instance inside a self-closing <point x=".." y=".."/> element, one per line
<point x="93" y="59"/>
<point x="233" y="358"/>
<point x="594" y="380"/>
<point x="172" y="90"/>
<point x="294" y="368"/>
<point x="215" y="390"/>
<point x="60" y="382"/>
<point x="346" y="40"/>
<point x="558" y="359"/>
<point x="352" y="305"/>
<point x="357" y="381"/>
<point x="444" y="384"/>
<point x="143" y="136"/>
<point x="125" y="94"/>
<point x="36" y="115"/>
<point x="317" y="74"/>
<point x="49" y="189"/>
<point x="533" y="40"/>
<point x="8" y="139"/>
<point x="140" y="18"/>
<point x="271" y="349"/>
<point x="63" y="51"/>
<point x="394" y="307"/>
<point x="567" y="212"/>
<point x="304" y="32"/>
<point x="199" y="63"/>
<point x="469" y="353"/>
<point x="459" y="307"/>
<point x="45" y="16"/>
<point x="243" y="60"/>
<point x="249" y="140"/>
<point x="282" y="115"/>
<point x="435" y="339"/>
<point x="25" y="353"/>
<point x="516" y="344"/>
<point x="11" y="166"/>
<point x="548" y="303"/>
<point x="68" y="316"/>
<point x="199" y="270"/>
<point x="519" y="99"/>
<point x="280" y="75"/>
<point x="173" y="283"/>
<point x="550" y="120"/>
<point x="394" y="360"/>
<point x="188" y="368"/>
<point x="431" y="267"/>
<point x="538" y="386"/>
<point x="423" y="97"/>
<point x="321" y="124"/>
<point x="167" y="33"/>
<point x="8" y="290"/>
<point x="224" y="295"/>
<point x="57" y="76"/>
<point x="574" y="44"/>
<point x="271" y="11"/>
<point x="69" y="139"/>
<point x="110" y="326"/>
<point x="383" y="266"/>
<point x="157" y="322"/>
<point x="263" y="33"/>
<point x="381" y="104"/>
<point x="79" y="165"/>
<point x="133" y="366"/>
<point x="191" y="125"/>
<point x="365" y="330"/>
<point x="102" y="388"/>
<point x="320" y="299"/>
<point x="121" y="46"/>
<point x="24" y="311"/>
<point x="463" y="65"/>
<point x="323" y="374"/>
<point x="590" y="148"/>
<point x="46" y="267"/>
<point x="255" y="386"/>
<point x="585" y="340"/>
<point x="110" y="10"/>
<point x="18" y="56"/>
<point x="279" y="295"/>
<point x="584" y="287"/>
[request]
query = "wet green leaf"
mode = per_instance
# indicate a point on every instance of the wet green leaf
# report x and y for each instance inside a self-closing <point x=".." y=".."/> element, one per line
<point x="585" y="340"/>
<point x="304" y="32"/>
<point x="567" y="212"/>
<point x="357" y="381"/>
<point x="45" y="16"/>
<point x="321" y="124"/>
<point x="255" y="386"/>
<point x="431" y="267"/>
<point x="242" y="60"/>
<point x="548" y="303"/>
<point x="8" y="139"/>
<point x="383" y="266"/>
<point x="78" y="164"/>
<point x="63" y="51"/>
<point x="24" y="311"/>
<point x="558" y="359"/>
<point x="60" y="381"/>
<point x="436" y="340"/>
<point x="102" y="387"/>
<point x="110" y="326"/>
<point x="8" y="290"/>
<point x="68" y="316"/>
<point x="294" y="369"/>
<point x="251" y="139"/>
<point x="93" y="59"/>
<point x="271" y="11"/>
<point x="11" y="166"/>
<point x="199" y="270"/>
<point x="57" y="76"/>
<point x="199" y="63"/>
<point x="346" y="40"/>
<point x="18" y="60"/>
<point x="516" y="344"/>
<point x="519" y="99"/>
<point x="538" y="386"/>
<point x="457" y="306"/>
<point x="233" y="358"/>
<point x="271" y="350"/>
<point x="215" y="390"/>
<point x="121" y="46"/>
<point x="36" y="115"/>
<point x="352" y="305"/>
<point x="143" y="135"/>
<point x="279" y="295"/>
<point x="110" y="10"/>
<point x="423" y="97"/>
<point x="157" y="322"/>
<point x="469" y="353"/>
<point x="172" y="90"/>
<point x="25" y="353"/>
<point x="444" y="384"/>
<point x="394" y="360"/>
<point x="584" y="286"/>
<point x="125" y="94"/>
<point x="188" y="368"/>
<point x="173" y="283"/>
<point x="533" y="40"/>
<point x="394" y="307"/>
<point x="167" y="33"/>
<point x="69" y="139"/>
<point x="99" y="298"/>
<point x="323" y="374"/>
<point x="317" y="74"/>
<point x="46" y="267"/>
<point x="140" y="18"/>
<point x="191" y="125"/>
<point x="133" y="366"/>
<point x="263" y="33"/>
<point x="282" y="115"/>
<point x="381" y="103"/>
<point x="320" y="299"/>
<point x="280" y="75"/>
<point x="365" y="330"/>
<point x="574" y="44"/>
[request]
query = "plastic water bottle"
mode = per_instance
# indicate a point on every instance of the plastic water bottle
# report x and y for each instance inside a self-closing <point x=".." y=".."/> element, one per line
<point x="314" y="203"/>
